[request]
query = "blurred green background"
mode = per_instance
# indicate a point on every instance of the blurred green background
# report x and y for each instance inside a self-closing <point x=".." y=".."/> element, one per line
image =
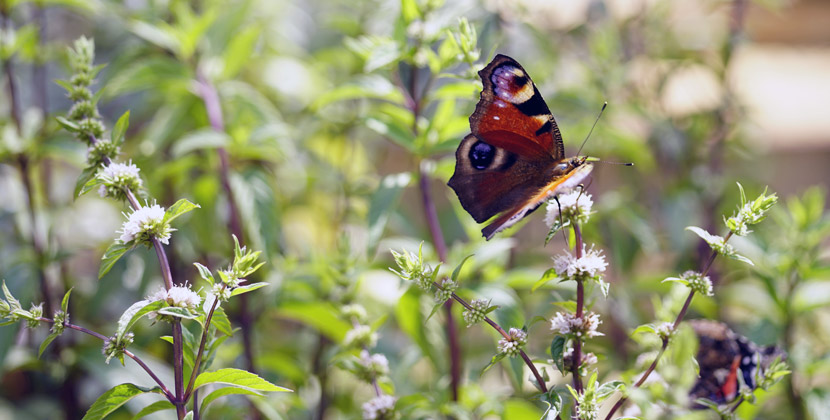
<point x="325" y="157"/>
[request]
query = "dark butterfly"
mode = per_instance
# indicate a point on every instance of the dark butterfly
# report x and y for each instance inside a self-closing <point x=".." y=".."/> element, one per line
<point x="722" y="356"/>
<point x="514" y="159"/>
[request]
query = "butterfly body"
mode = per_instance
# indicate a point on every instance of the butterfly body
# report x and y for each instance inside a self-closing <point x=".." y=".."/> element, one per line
<point x="514" y="159"/>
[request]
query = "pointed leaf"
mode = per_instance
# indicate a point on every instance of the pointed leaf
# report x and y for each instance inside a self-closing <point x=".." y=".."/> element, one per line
<point x="153" y="408"/>
<point x="228" y="390"/>
<point x="238" y="378"/>
<point x="86" y="175"/>
<point x="458" y="268"/>
<point x="177" y="312"/>
<point x="120" y="128"/>
<point x="114" y="398"/>
<point x="134" y="313"/>
<point x="179" y="208"/>
<point x="111" y="256"/>
<point x="51" y="337"/>
<point x="557" y="349"/>
<point x="248" y="288"/>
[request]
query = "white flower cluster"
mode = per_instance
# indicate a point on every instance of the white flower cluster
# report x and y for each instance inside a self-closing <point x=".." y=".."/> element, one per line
<point x="698" y="282"/>
<point x="575" y="205"/>
<point x="360" y="336"/>
<point x="477" y="312"/>
<point x="376" y="364"/>
<point x="379" y="408"/>
<point x="570" y="324"/>
<point x="177" y="296"/>
<point x="512" y="345"/>
<point x="354" y="311"/>
<point x="144" y="223"/>
<point x="589" y="266"/>
<point x="117" y="176"/>
<point x="665" y="330"/>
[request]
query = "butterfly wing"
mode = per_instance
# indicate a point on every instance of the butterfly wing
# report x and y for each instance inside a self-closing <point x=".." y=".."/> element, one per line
<point x="512" y="113"/>
<point x="511" y="162"/>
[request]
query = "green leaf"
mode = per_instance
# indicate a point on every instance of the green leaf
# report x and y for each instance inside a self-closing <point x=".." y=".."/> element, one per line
<point x="153" y="408"/>
<point x="68" y="124"/>
<point x="393" y="131"/>
<point x="204" y="273"/>
<point x="134" y="313"/>
<point x="319" y="315"/>
<point x="90" y="185"/>
<point x="120" y="128"/>
<point x="248" y="288"/>
<point x="646" y="328"/>
<point x="111" y="256"/>
<point x="383" y="202"/>
<point x="457" y="270"/>
<point x="239" y="51"/>
<point x="605" y="390"/>
<point x="207" y="138"/>
<point x="51" y="337"/>
<point x="435" y="309"/>
<point x="65" y="301"/>
<point x="567" y="305"/>
<point x="177" y="312"/>
<point x="221" y="322"/>
<point x="739" y="257"/>
<point x="179" y="208"/>
<point x="163" y="35"/>
<point x="557" y="349"/>
<point x="238" y="378"/>
<point x="114" y="398"/>
<point x="550" y="274"/>
<point x="497" y="358"/>
<point x="86" y="175"/>
<point x="228" y="390"/>
<point x="554" y="402"/>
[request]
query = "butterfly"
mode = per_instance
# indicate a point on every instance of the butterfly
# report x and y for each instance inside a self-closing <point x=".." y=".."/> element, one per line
<point x="722" y="356"/>
<point x="514" y="158"/>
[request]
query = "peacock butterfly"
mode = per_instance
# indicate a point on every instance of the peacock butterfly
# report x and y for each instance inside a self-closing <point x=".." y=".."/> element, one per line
<point x="514" y="159"/>
<point x="723" y="355"/>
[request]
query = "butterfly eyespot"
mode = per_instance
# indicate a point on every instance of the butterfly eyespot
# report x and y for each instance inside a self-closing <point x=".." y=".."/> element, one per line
<point x="481" y="155"/>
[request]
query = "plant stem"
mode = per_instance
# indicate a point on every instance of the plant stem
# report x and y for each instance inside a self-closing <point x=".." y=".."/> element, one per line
<point x="213" y="108"/>
<point x="580" y="304"/>
<point x="170" y="397"/>
<point x="202" y="344"/>
<point x="677" y="321"/>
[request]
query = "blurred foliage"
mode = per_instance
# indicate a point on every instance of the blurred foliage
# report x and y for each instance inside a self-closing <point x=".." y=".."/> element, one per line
<point x="326" y="148"/>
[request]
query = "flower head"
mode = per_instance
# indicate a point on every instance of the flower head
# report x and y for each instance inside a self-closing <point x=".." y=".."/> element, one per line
<point x="411" y="267"/>
<point x="379" y="408"/>
<point x="513" y="344"/>
<point x="444" y="293"/>
<point x="589" y="266"/>
<point x="113" y="347"/>
<point x="144" y="224"/>
<point x="177" y="296"/>
<point x="570" y="324"/>
<point x="568" y="356"/>
<point x="477" y="312"/>
<point x="574" y="206"/>
<point x="115" y="177"/>
<point x="360" y="336"/>
<point x="373" y="365"/>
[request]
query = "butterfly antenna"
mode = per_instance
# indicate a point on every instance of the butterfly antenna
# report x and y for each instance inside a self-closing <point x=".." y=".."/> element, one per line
<point x="605" y="104"/>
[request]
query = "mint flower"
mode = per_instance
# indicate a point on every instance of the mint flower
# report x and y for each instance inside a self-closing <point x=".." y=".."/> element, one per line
<point x="411" y="267"/>
<point x="444" y="293"/>
<point x="589" y="266"/>
<point x="360" y="336"/>
<point x="574" y="206"/>
<point x="374" y="364"/>
<point x="570" y="324"/>
<point x="144" y="224"/>
<point x="116" y="177"/>
<point x="750" y="213"/>
<point x="379" y="408"/>
<point x="115" y="348"/>
<point x="177" y="296"/>
<point x="512" y="345"/>
<point x="477" y="312"/>
<point x="696" y="281"/>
